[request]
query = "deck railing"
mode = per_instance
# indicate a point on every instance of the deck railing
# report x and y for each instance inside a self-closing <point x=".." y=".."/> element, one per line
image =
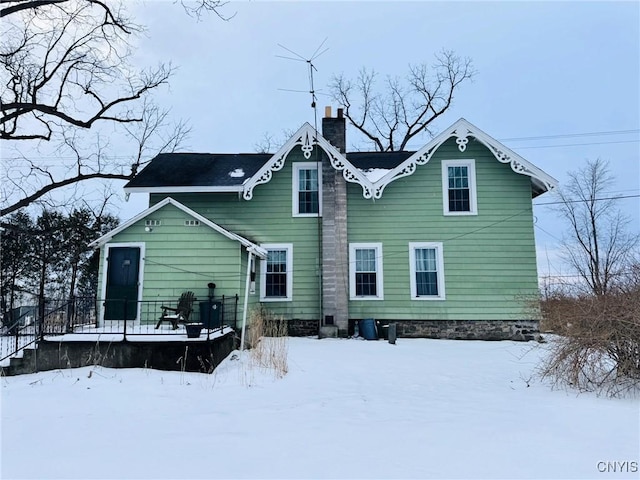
<point x="121" y="318"/>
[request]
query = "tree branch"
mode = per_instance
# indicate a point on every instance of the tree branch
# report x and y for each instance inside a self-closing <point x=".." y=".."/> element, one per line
<point x="399" y="112"/>
<point x="25" y="5"/>
<point x="59" y="184"/>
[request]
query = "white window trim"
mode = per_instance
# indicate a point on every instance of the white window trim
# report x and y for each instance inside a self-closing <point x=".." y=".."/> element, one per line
<point x="263" y="272"/>
<point x="473" y="205"/>
<point x="352" y="271"/>
<point x="297" y="166"/>
<point x="439" y="265"/>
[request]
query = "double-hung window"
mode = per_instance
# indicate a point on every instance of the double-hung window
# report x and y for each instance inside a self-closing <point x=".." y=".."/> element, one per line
<point x="459" y="187"/>
<point x="307" y="191"/>
<point x="276" y="273"/>
<point x="365" y="271"/>
<point x="427" y="271"/>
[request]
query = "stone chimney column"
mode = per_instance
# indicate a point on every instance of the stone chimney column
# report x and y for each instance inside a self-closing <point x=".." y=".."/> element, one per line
<point x="335" y="247"/>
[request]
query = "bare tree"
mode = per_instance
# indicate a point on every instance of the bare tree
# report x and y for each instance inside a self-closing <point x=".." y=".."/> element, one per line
<point x="64" y="62"/>
<point x="65" y="65"/>
<point x="270" y="143"/>
<point x="599" y="247"/>
<point x="389" y="118"/>
<point x="79" y="158"/>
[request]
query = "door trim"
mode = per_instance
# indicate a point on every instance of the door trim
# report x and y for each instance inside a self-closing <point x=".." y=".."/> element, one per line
<point x="105" y="268"/>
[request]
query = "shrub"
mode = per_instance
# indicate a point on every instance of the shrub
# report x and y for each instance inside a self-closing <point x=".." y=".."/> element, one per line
<point x="597" y="347"/>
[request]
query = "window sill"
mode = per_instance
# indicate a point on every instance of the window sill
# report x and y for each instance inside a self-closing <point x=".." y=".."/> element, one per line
<point x="459" y="214"/>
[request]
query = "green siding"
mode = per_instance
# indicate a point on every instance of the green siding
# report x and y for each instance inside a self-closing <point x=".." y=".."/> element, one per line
<point x="171" y="267"/>
<point x="490" y="264"/>
<point x="489" y="258"/>
<point x="267" y="218"/>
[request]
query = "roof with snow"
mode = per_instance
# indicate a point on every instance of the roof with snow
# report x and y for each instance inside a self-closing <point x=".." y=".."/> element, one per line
<point x="373" y="171"/>
<point x="228" y="172"/>
<point x="217" y="171"/>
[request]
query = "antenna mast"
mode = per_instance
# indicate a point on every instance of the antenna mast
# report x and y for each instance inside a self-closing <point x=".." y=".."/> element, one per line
<point x="311" y="66"/>
<point x="318" y="157"/>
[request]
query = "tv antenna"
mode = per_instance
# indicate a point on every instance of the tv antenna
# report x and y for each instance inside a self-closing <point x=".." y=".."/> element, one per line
<point x="311" y="66"/>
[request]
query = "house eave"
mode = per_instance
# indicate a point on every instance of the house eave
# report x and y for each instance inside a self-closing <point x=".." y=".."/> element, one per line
<point x="307" y="138"/>
<point x="462" y="129"/>
<point x="190" y="189"/>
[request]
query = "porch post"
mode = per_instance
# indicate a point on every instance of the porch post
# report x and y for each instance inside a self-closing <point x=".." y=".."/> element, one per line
<point x="246" y="299"/>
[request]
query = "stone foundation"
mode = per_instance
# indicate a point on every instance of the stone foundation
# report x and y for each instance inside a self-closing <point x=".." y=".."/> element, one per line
<point x="303" y="328"/>
<point x="519" y="330"/>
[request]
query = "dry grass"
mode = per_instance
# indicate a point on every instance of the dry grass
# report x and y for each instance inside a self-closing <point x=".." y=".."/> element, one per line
<point x="598" y="343"/>
<point x="268" y="340"/>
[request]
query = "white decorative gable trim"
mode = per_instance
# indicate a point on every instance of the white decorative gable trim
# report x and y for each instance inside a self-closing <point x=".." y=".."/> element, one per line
<point x="249" y="245"/>
<point x="307" y="138"/>
<point x="462" y="130"/>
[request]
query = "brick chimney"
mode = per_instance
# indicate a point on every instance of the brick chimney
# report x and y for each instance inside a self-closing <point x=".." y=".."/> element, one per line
<point x="334" y="129"/>
<point x="335" y="247"/>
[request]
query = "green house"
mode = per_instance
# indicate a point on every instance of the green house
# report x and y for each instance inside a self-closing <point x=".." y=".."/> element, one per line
<point x="439" y="242"/>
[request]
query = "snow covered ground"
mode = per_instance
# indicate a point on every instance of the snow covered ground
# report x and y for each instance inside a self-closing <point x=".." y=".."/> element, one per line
<point x="346" y="409"/>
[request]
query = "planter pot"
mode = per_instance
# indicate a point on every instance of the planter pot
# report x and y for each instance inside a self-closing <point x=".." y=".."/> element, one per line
<point x="193" y="329"/>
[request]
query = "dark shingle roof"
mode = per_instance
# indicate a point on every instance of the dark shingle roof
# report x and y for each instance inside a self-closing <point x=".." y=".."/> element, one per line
<point x="232" y="169"/>
<point x="199" y="169"/>
<point x="369" y="160"/>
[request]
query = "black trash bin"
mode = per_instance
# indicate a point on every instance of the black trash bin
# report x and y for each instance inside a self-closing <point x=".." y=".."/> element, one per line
<point x="211" y="314"/>
<point x="383" y="330"/>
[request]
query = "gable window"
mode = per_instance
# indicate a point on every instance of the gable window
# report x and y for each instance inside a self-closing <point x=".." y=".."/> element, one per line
<point x="365" y="271"/>
<point x="427" y="271"/>
<point x="307" y="194"/>
<point x="276" y="273"/>
<point x="459" y="187"/>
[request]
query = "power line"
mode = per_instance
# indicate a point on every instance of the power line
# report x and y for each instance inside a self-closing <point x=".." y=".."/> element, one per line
<point x="539" y="137"/>
<point x="548" y="233"/>
<point x="613" y="274"/>
<point x="571" y="135"/>
<point x="575" y="144"/>
<point x="585" y="201"/>
<point x="237" y="276"/>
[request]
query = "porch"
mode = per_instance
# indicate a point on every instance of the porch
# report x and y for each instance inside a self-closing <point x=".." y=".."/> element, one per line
<point x="81" y="339"/>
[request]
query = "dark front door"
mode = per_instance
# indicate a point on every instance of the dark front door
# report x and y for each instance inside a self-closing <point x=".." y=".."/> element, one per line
<point x="123" y="265"/>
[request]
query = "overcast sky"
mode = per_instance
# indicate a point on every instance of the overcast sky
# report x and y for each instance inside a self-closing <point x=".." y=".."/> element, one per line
<point x="545" y="69"/>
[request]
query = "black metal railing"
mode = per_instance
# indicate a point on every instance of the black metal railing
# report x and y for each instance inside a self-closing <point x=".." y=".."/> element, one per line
<point x="119" y="318"/>
<point x="230" y="311"/>
<point x="23" y="326"/>
<point x="65" y="316"/>
<point x="17" y="334"/>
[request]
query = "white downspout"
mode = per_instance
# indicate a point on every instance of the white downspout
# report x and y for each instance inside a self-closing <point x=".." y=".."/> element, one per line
<point x="246" y="299"/>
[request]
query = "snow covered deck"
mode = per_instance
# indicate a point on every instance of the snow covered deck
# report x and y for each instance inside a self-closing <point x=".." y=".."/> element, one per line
<point x="135" y="333"/>
<point x="137" y="347"/>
